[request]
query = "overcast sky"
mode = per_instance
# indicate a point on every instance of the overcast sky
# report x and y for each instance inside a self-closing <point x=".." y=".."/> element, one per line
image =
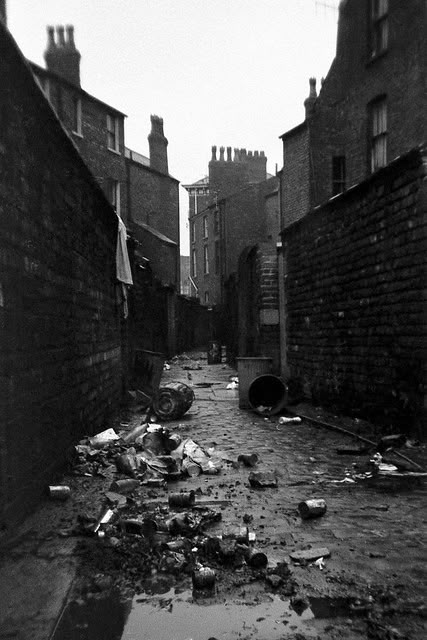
<point x="220" y="72"/>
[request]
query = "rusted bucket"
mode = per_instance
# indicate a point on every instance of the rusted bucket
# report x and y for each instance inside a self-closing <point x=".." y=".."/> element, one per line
<point x="173" y="400"/>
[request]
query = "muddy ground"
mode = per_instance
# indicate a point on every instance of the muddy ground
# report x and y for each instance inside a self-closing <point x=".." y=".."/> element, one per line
<point x="362" y="574"/>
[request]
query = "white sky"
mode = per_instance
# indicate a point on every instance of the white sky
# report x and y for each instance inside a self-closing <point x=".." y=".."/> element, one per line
<point x="220" y="72"/>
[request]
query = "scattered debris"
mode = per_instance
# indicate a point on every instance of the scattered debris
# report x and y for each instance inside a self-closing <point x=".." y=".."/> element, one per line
<point x="262" y="479"/>
<point x="204" y="578"/>
<point x="248" y="459"/>
<point x="312" y="508"/>
<point x="59" y="492"/>
<point x="352" y="451"/>
<point x="101" y="439"/>
<point x="182" y="499"/>
<point x="309" y="555"/>
<point x="291" y="420"/>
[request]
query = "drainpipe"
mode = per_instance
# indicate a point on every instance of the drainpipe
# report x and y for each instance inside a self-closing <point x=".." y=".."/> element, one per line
<point x="284" y="368"/>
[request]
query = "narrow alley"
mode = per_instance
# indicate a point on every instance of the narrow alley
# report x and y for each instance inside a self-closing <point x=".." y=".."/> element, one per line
<point x="361" y="574"/>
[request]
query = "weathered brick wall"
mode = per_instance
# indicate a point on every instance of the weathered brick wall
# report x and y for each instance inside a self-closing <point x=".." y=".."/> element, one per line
<point x="104" y="163"/>
<point x="154" y="199"/>
<point x="258" y="303"/>
<point x="340" y="123"/>
<point x="356" y="298"/>
<point x="295" y="175"/>
<point x="60" y="358"/>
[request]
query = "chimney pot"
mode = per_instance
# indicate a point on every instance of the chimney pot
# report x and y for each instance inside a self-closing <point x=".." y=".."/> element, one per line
<point x="60" y="34"/>
<point x="213" y="159"/>
<point x="228" y="154"/>
<point x="70" y="36"/>
<point x="221" y="154"/>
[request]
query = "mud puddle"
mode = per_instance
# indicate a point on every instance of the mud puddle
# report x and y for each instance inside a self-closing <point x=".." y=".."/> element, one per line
<point x="181" y="615"/>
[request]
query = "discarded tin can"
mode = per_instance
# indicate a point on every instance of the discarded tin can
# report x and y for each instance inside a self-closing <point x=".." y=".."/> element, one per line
<point x="240" y="534"/>
<point x="146" y="527"/>
<point x="256" y="558"/>
<point x="183" y="499"/>
<point x="312" y="508"/>
<point x="248" y="459"/>
<point x="251" y="537"/>
<point x="204" y="578"/>
<point x="156" y="482"/>
<point x="59" y="492"/>
<point x="134" y="433"/>
<point x="292" y="420"/>
<point x="173" y="441"/>
<point x="104" y="519"/>
<point x="124" y="486"/>
<point x="192" y="468"/>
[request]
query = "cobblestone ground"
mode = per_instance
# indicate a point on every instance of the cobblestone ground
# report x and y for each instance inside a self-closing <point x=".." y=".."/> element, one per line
<point x="375" y="531"/>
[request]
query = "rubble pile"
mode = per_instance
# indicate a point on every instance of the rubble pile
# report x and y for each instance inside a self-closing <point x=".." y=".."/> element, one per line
<point x="144" y="531"/>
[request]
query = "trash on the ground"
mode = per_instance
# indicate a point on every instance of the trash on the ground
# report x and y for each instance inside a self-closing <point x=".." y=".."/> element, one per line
<point x="256" y="558"/>
<point x="191" y="468"/>
<point x="159" y="483"/>
<point x="166" y="366"/>
<point x="173" y="441"/>
<point x="263" y="409"/>
<point x="131" y="463"/>
<point x="292" y="420"/>
<point x="234" y="379"/>
<point x="173" y="400"/>
<point x="248" y="459"/>
<point x="320" y="562"/>
<point x="239" y="534"/>
<point x="133" y="434"/>
<point x="103" y="438"/>
<point x="182" y="499"/>
<point x="145" y="527"/>
<point x="104" y="519"/>
<point x="204" y="578"/>
<point x="59" y="492"/>
<point x="345" y="480"/>
<point x="183" y="523"/>
<point x="352" y="451"/>
<point x="309" y="555"/>
<point x="232" y="385"/>
<point x="262" y="479"/>
<point x="299" y="603"/>
<point x="394" y="441"/>
<point x="116" y="499"/>
<point x="312" y="508"/>
<point x="128" y="485"/>
<point x="274" y="580"/>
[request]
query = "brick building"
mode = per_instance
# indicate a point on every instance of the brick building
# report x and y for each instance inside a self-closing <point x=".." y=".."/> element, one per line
<point x="61" y="361"/>
<point x="226" y="214"/>
<point x="370" y="109"/>
<point x="139" y="187"/>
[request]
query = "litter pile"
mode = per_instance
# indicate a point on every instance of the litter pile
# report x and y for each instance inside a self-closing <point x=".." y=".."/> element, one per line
<point x="143" y="531"/>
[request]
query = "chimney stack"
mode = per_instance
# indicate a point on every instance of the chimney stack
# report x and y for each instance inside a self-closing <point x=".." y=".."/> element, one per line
<point x="61" y="56"/>
<point x="3" y="14"/>
<point x="310" y="101"/>
<point x="158" y="146"/>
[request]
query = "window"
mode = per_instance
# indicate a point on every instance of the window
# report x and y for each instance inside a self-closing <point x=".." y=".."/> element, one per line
<point x="205" y="226"/>
<point x="206" y="297"/>
<point x="217" y="262"/>
<point x="112" y="133"/>
<point x="216" y="222"/>
<point x="338" y="174"/>
<point x="206" y="259"/>
<point x="378" y="126"/>
<point x="113" y="194"/>
<point x="192" y="231"/>
<point x="77" y="116"/>
<point x="379" y="26"/>
<point x="193" y="263"/>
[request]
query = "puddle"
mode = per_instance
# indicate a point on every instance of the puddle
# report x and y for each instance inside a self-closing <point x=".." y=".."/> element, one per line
<point x="339" y="607"/>
<point x="181" y="616"/>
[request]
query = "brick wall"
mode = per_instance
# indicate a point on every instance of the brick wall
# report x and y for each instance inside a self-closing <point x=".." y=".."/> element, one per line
<point x="60" y="357"/>
<point x="340" y="122"/>
<point x="258" y="303"/>
<point x="104" y="163"/>
<point x="295" y="175"/>
<point x="355" y="274"/>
